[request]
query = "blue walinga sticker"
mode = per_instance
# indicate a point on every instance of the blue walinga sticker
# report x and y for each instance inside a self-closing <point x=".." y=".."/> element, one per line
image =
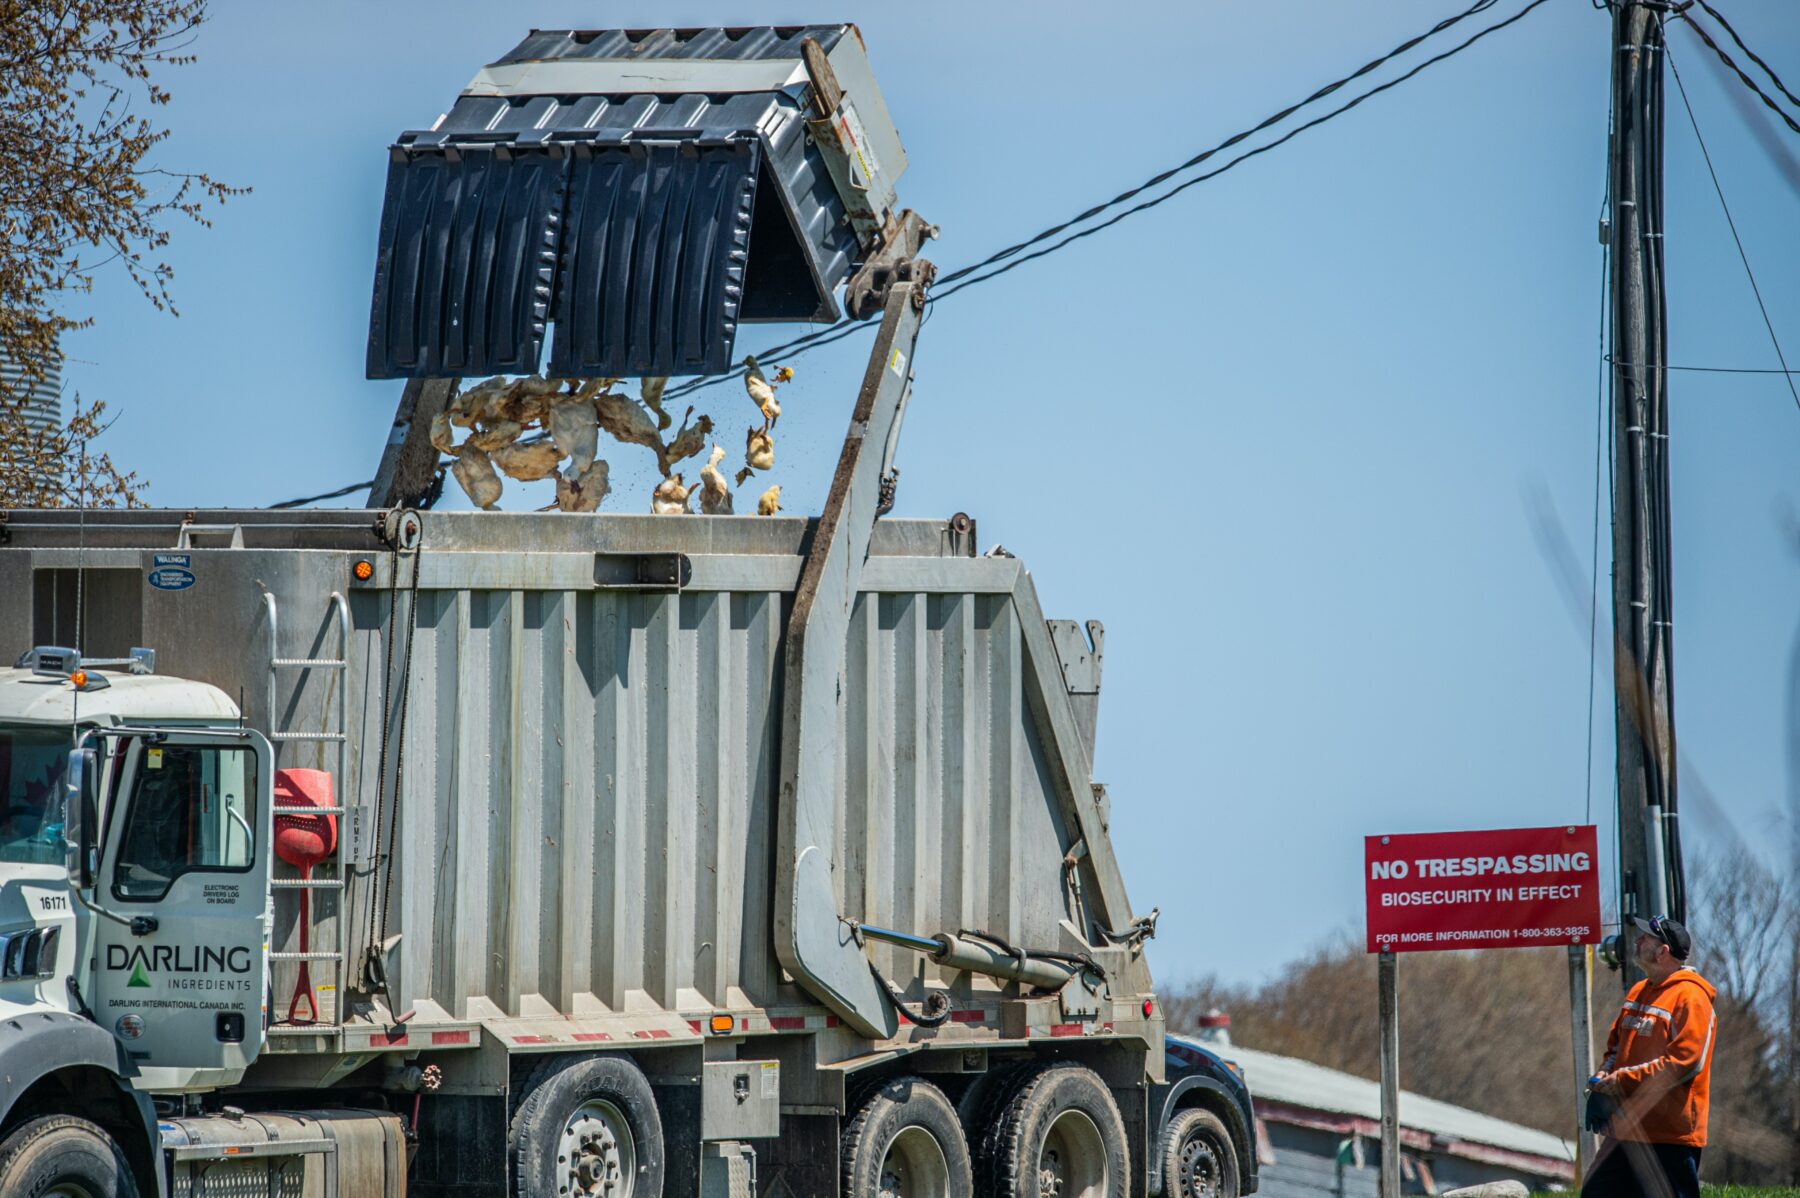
<point x="171" y="571"/>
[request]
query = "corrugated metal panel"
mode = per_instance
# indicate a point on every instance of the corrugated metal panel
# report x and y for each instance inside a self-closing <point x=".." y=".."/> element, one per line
<point x="587" y="812"/>
<point x="588" y="797"/>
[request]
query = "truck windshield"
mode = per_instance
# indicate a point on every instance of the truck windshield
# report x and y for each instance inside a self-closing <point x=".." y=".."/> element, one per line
<point x="32" y="764"/>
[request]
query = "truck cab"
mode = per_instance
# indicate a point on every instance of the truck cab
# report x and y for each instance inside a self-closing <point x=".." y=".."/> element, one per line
<point x="134" y="895"/>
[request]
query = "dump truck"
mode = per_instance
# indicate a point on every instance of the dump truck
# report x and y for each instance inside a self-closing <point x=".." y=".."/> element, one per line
<point x="387" y="851"/>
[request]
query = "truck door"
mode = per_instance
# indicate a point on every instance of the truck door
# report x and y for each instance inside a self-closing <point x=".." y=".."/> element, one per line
<point x="181" y="972"/>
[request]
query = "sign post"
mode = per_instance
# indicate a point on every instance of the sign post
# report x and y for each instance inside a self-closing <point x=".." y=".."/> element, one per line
<point x="1390" y="1075"/>
<point x="1508" y="888"/>
<point x="1581" y="1035"/>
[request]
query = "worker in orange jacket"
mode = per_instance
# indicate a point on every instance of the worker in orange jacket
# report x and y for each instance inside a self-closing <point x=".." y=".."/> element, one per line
<point x="1658" y="1072"/>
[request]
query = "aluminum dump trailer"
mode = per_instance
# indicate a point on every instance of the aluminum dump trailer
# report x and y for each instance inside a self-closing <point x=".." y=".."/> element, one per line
<point x="560" y="773"/>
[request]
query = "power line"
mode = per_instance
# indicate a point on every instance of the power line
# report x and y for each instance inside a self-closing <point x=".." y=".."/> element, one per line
<point x="1725" y="58"/>
<point x="965" y="277"/>
<point x="1705" y="369"/>
<point x="1732" y="224"/>
<point x="1263" y="149"/>
<point x="1234" y="139"/>
<point x="286" y="503"/>
<point x="1768" y="70"/>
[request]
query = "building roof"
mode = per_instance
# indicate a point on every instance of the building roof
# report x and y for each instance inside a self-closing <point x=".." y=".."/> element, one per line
<point x="1296" y="1083"/>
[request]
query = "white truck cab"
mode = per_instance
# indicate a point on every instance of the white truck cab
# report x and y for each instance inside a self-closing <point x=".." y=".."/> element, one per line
<point x="134" y="881"/>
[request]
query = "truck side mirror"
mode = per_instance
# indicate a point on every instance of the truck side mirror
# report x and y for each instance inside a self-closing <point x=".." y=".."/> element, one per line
<point x="80" y="783"/>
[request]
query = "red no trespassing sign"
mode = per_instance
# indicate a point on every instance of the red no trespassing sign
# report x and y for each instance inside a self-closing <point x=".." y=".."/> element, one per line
<point x="1510" y="888"/>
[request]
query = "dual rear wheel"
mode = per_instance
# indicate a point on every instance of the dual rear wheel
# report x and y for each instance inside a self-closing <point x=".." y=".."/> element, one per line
<point x="1043" y="1132"/>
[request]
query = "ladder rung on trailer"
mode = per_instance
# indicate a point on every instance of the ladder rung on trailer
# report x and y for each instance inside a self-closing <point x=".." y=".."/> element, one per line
<point x="335" y="703"/>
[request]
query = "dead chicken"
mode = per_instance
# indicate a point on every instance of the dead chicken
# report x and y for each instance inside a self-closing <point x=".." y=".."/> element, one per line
<point x="651" y="391"/>
<point x="770" y="503"/>
<point x="688" y="442"/>
<point x="759" y="453"/>
<point x="670" y="498"/>
<point x="468" y="406"/>
<point x="528" y="461"/>
<point x="575" y="429"/>
<point x="495" y="434"/>
<point x="443" y="434"/>
<point x="762" y="392"/>
<point x="528" y="399"/>
<point x="625" y="418"/>
<point x="715" y="496"/>
<point x="583" y="492"/>
<point x="475" y="472"/>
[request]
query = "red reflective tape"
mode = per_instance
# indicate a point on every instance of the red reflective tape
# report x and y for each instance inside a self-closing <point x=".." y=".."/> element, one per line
<point x="655" y="1033"/>
<point x="832" y="1021"/>
<point x="533" y="1040"/>
<point x="788" y="1023"/>
<point x="588" y="1037"/>
<point x="452" y="1038"/>
<point x="1065" y="1029"/>
<point x="695" y="1025"/>
<point x="387" y="1040"/>
<point x="744" y="1024"/>
<point x="968" y="1016"/>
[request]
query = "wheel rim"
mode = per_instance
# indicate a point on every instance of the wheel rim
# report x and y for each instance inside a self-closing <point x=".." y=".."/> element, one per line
<point x="1201" y="1172"/>
<point x="1072" y="1162"/>
<point x="914" y="1167"/>
<point x="67" y="1189"/>
<point x="597" y="1155"/>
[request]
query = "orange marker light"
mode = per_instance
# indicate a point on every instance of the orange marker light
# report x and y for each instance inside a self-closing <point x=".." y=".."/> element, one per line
<point x="79" y="678"/>
<point x="363" y="570"/>
<point x="722" y="1024"/>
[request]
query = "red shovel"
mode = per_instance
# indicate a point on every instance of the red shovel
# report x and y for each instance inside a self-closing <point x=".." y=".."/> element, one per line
<point x="304" y="838"/>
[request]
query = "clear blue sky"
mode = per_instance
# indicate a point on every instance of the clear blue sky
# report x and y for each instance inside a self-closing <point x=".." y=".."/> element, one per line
<point x="1280" y="434"/>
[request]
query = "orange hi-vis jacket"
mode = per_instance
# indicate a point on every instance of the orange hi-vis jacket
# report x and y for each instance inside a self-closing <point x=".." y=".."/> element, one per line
<point x="1660" y="1050"/>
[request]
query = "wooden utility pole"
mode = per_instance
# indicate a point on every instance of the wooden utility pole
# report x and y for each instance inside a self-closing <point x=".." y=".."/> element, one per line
<point x="1649" y="847"/>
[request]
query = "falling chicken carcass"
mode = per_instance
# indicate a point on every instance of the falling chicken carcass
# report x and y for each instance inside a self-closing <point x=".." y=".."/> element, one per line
<point x="528" y="461"/>
<point x="627" y="420"/>
<point x="583" y="492"/>
<point x="528" y="400"/>
<point x="575" y="429"/>
<point x="491" y="435"/>
<point x="762" y="392"/>
<point x="759" y="453"/>
<point x="651" y="391"/>
<point x="468" y="405"/>
<point x="475" y="473"/>
<point x="770" y="502"/>
<point x="686" y="443"/>
<point x="670" y="497"/>
<point x="715" y="495"/>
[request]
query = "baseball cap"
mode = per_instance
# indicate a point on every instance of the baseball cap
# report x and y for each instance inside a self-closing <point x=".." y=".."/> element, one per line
<point x="1668" y="931"/>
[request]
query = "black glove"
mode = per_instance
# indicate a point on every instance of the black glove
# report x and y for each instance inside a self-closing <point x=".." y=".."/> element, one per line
<point x="1597" y="1115"/>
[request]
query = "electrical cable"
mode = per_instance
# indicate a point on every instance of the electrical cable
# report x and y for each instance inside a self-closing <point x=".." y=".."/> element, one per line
<point x="953" y="277"/>
<point x="1603" y="408"/>
<point x="1234" y="139"/>
<point x="1756" y="58"/>
<point x="1732" y="225"/>
<point x="1006" y="259"/>
<point x="287" y="503"/>
<point x="1738" y="71"/>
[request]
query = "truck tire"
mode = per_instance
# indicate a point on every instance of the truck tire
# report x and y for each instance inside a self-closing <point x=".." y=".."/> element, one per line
<point x="1198" y="1160"/>
<point x="66" y="1157"/>
<point x="585" y="1122"/>
<point x="905" y="1141"/>
<point x="1058" y="1133"/>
